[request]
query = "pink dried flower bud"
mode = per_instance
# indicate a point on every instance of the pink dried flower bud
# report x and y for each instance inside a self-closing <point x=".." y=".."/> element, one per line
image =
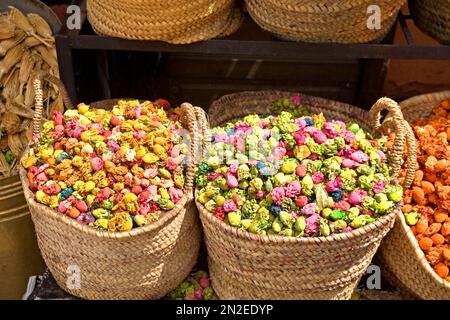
<point x="356" y="197"/>
<point x="229" y="206"/>
<point x="277" y="195"/>
<point x="317" y="177"/>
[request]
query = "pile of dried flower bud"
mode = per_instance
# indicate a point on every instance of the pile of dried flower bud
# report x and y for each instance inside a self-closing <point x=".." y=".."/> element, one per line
<point x="196" y="287"/>
<point x="113" y="170"/>
<point x="296" y="176"/>
<point x="427" y="203"/>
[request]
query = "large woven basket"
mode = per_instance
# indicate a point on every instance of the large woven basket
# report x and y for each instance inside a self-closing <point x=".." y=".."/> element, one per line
<point x="323" y="20"/>
<point x="249" y="266"/>
<point x="173" y="21"/>
<point x="432" y="17"/>
<point x="143" y="263"/>
<point x="403" y="262"/>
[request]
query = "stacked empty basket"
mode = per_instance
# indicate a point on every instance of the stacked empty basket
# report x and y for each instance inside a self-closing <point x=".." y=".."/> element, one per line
<point x="174" y="21"/>
<point x="244" y="265"/>
<point x="433" y="17"/>
<point x="143" y="263"/>
<point x="326" y="21"/>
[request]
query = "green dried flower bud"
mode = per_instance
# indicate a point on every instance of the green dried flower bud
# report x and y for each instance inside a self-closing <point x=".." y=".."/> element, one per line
<point x="245" y="223"/>
<point x="234" y="218"/>
<point x="286" y="218"/>
<point x="165" y="204"/>
<point x="300" y="224"/>
<point x="289" y="166"/>
<point x="277" y="225"/>
<point x="339" y="225"/>
<point x="326" y="213"/>
<point x="324" y="228"/>
<point x="359" y="221"/>
<point x="268" y="185"/>
<point x="210" y="205"/>
<point x="279" y="179"/>
<point x="165" y="173"/>
<point x="287" y="232"/>
<point x="412" y="218"/>
<point x="337" y="215"/>
<point x="353" y="212"/>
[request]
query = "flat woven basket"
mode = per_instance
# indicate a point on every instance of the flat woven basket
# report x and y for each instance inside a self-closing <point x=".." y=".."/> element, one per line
<point x="143" y="263"/>
<point x="432" y="17"/>
<point x="324" y="20"/>
<point x="173" y="21"/>
<point x="248" y="266"/>
<point x="403" y="262"/>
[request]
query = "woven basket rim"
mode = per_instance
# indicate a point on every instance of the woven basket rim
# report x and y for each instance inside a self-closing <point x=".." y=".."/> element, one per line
<point x="243" y="234"/>
<point x="432" y="96"/>
<point x="52" y="213"/>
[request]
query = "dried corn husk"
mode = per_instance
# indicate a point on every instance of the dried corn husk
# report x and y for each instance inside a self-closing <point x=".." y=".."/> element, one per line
<point x="57" y="105"/>
<point x="6" y="45"/>
<point x="12" y="57"/>
<point x="15" y="144"/>
<point x="41" y="26"/>
<point x="26" y="67"/>
<point x="3" y="143"/>
<point x="19" y="109"/>
<point x="11" y="88"/>
<point x="29" y="94"/>
<point x="47" y="56"/>
<point x="2" y="110"/>
<point x="27" y="47"/>
<point x="10" y="122"/>
<point x="30" y="42"/>
<point x="25" y="136"/>
<point x="6" y="28"/>
<point x="22" y="22"/>
<point x="4" y="167"/>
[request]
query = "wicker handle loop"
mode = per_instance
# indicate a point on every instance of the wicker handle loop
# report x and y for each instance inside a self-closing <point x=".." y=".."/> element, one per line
<point x="398" y="125"/>
<point x="39" y="97"/>
<point x="411" y="159"/>
<point x="205" y="133"/>
<point x="189" y="121"/>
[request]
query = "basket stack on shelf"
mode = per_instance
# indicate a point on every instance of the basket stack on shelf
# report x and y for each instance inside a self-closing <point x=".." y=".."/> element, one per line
<point x="433" y="17"/>
<point x="415" y="255"/>
<point x="175" y="21"/>
<point x="325" y="21"/>
<point x="263" y="244"/>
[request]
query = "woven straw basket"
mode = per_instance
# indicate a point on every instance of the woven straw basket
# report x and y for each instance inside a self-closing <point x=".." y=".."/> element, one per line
<point x="404" y="263"/>
<point x="173" y="21"/>
<point x="433" y="17"/>
<point x="143" y="263"/>
<point x="248" y="266"/>
<point x="323" y="20"/>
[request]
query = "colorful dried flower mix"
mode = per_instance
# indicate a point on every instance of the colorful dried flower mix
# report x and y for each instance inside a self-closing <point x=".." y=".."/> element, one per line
<point x="113" y="170"/>
<point x="196" y="287"/>
<point x="427" y="202"/>
<point x="296" y="176"/>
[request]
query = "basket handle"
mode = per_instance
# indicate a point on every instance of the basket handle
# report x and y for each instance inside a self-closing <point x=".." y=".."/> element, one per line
<point x="39" y="97"/>
<point x="398" y="124"/>
<point x="189" y="120"/>
<point x="205" y="133"/>
<point x="411" y="159"/>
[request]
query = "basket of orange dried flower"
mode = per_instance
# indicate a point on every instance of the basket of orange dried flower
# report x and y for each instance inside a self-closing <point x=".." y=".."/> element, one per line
<point x="415" y="255"/>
